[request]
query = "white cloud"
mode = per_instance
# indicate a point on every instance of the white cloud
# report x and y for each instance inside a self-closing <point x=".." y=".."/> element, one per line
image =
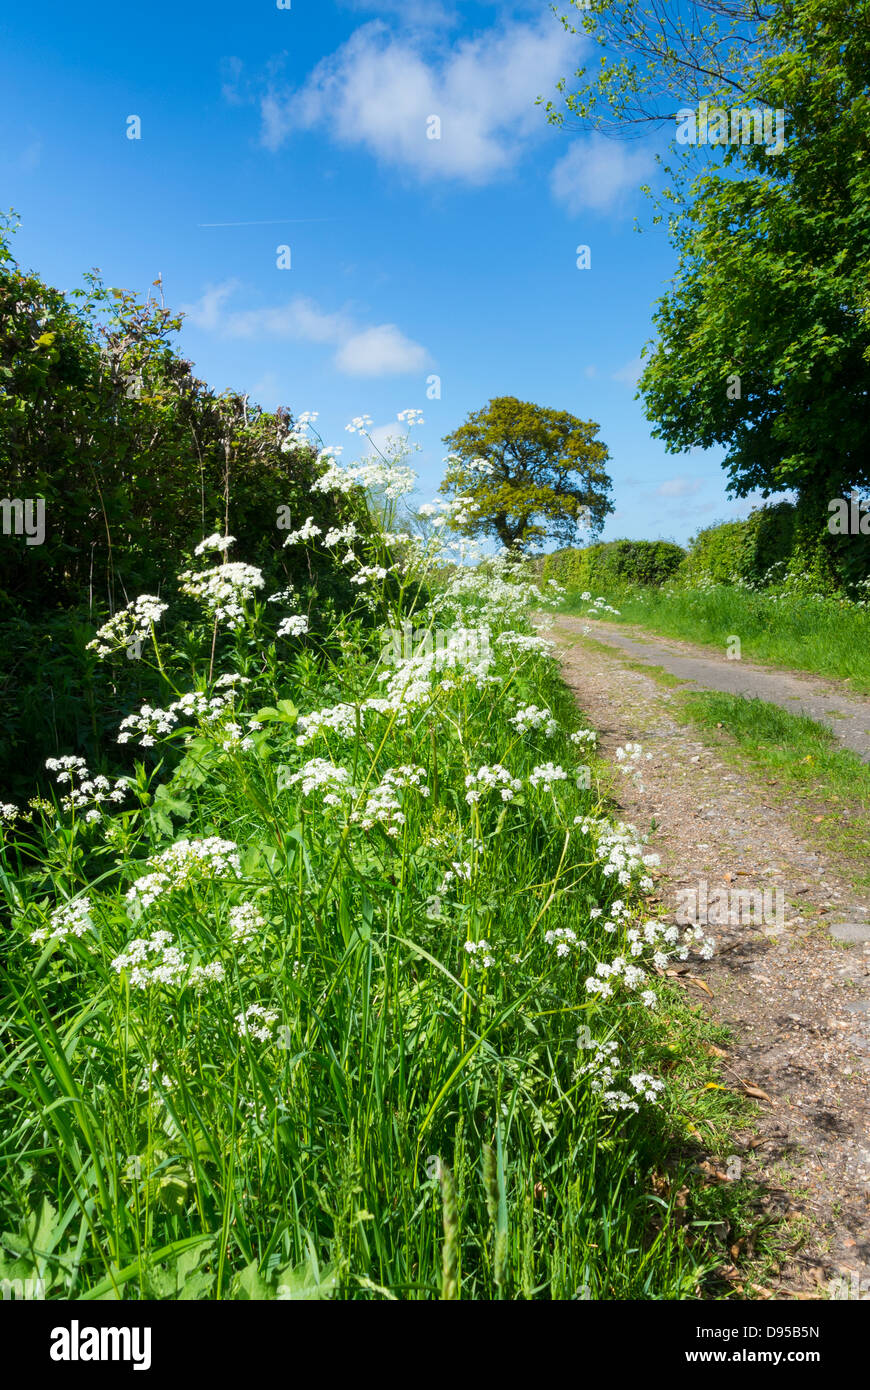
<point x="596" y="174"/>
<point x="679" y="487"/>
<point x="630" y="373"/>
<point x="377" y="350"/>
<point x="379" y="90"/>
<point x="380" y="351"/>
<point x="206" y="313"/>
<point x="300" y="318"/>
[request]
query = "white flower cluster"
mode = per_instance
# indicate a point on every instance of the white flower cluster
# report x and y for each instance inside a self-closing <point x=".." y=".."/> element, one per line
<point x="524" y="643"/>
<point x="156" y="961"/>
<point x="91" y="792"/>
<point x="493" y="778"/>
<point x="563" y="938"/>
<point x="342" y="720"/>
<point x="382" y="804"/>
<point x="534" y="717"/>
<point x="245" y="922"/>
<point x="598" y="607"/>
<point x="459" y="871"/>
<point x="585" y="736"/>
<point x="604" y="1067"/>
<point x="8" y="813"/>
<point x="297" y="438"/>
<point x="498" y="595"/>
<point x="183" y="863"/>
<point x="360" y="424"/>
<point x="413" y="681"/>
<point x="256" y="1022"/>
<point x="659" y="943"/>
<point x="547" y="775"/>
<point x="295" y="626"/>
<point x="440" y="513"/>
<point x="71" y="919"/>
<point x="233" y="736"/>
<point x="67" y="768"/>
<point x="151" y="724"/>
<point x="480" y="953"/>
<point x="338" y="535"/>
<point x="319" y="773"/>
<point x="618" y="849"/>
<point x="305" y="533"/>
<point x="394" y="479"/>
<point x="367" y="572"/>
<point x="130" y="625"/>
<point x="224" y="589"/>
<point x="215" y="542"/>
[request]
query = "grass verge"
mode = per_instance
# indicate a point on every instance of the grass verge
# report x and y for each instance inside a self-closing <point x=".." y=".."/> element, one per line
<point x="825" y="786"/>
<point x="829" y="637"/>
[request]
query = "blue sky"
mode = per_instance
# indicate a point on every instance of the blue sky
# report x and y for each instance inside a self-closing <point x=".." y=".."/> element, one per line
<point x="411" y="257"/>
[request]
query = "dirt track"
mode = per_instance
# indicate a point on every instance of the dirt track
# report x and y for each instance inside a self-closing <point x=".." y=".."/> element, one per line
<point x="845" y="713"/>
<point x="797" y="995"/>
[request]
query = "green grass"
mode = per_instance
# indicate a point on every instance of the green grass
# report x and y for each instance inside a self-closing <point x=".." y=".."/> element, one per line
<point x="404" y="1118"/>
<point x="824" y="785"/>
<point x="827" y="636"/>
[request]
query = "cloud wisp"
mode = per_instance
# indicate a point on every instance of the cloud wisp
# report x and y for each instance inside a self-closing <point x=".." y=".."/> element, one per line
<point x="360" y="350"/>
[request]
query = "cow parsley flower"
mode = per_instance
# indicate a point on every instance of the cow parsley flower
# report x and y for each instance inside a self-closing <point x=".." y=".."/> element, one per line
<point x="245" y="922"/>
<point x="480" y="953"/>
<point x="156" y="961"/>
<point x="319" y="774"/>
<point x="224" y="589"/>
<point x="534" y="717"/>
<point x="256" y="1022"/>
<point x="130" y="626"/>
<point x="495" y="778"/>
<point x="305" y="533"/>
<point x="382" y="805"/>
<point x="547" y="775"/>
<point x="71" y="919"/>
<point x="215" y="542"/>
<point x="182" y="864"/>
<point x="563" y="938"/>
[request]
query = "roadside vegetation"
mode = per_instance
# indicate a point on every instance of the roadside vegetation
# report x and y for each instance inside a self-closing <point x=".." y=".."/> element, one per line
<point x="826" y="787"/>
<point x="353" y="985"/>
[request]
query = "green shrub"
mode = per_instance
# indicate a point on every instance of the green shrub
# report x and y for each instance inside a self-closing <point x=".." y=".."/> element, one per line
<point x="135" y="461"/>
<point x="744" y="550"/>
<point x="776" y="543"/>
<point x="615" y="563"/>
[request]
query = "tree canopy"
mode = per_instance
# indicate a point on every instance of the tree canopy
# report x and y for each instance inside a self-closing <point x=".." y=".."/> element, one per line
<point x="764" y="335"/>
<point x="532" y="474"/>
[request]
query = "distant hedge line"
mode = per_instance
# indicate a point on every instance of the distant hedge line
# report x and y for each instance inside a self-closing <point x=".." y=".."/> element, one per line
<point x="612" y="563"/>
<point x="775" y="542"/>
